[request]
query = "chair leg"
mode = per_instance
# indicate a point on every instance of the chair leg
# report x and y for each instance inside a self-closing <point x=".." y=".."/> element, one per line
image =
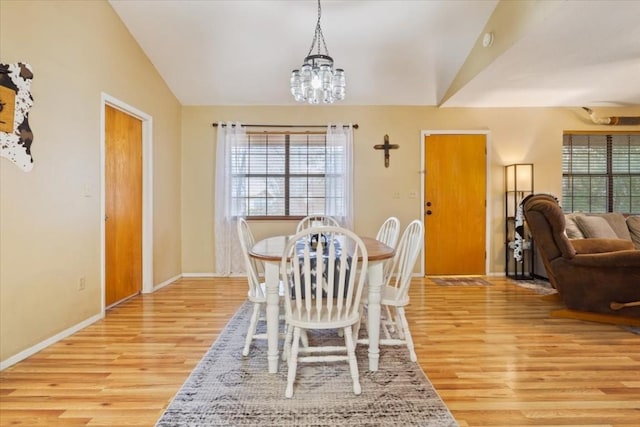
<point x="386" y="323"/>
<point x="356" y="330"/>
<point x="286" y="351"/>
<point x="293" y="362"/>
<point x="353" y="362"/>
<point x="251" y="331"/>
<point x="305" y="338"/>
<point x="363" y="319"/>
<point x="389" y="319"/>
<point x="407" y="333"/>
<point x="399" y="322"/>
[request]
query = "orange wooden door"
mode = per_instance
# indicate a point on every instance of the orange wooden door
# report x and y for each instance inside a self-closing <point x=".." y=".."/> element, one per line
<point x="455" y="204"/>
<point x="123" y="206"/>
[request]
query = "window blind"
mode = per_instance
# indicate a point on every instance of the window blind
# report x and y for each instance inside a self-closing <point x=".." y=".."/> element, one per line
<point x="601" y="173"/>
<point x="281" y="174"/>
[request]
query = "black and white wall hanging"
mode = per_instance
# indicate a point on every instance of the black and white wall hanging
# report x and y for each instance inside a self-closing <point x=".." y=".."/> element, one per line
<point x="15" y="103"/>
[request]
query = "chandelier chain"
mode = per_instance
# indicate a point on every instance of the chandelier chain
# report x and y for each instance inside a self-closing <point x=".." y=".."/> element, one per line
<point x="318" y="35"/>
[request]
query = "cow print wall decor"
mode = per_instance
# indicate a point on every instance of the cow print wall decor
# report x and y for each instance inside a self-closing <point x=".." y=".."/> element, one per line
<point x="15" y="103"/>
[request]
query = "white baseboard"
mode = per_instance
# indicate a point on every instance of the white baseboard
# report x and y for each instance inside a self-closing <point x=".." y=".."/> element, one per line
<point x="200" y="275"/>
<point x="193" y="275"/>
<point x="49" y="341"/>
<point x="166" y="282"/>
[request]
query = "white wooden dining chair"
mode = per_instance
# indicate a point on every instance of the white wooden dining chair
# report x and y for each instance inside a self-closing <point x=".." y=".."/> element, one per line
<point x="389" y="231"/>
<point x="388" y="234"/>
<point x="324" y="290"/>
<point x="316" y="220"/>
<point x="257" y="290"/>
<point x="394" y="328"/>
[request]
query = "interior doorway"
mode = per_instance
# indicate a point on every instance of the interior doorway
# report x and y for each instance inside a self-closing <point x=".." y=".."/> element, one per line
<point x="454" y="203"/>
<point x="126" y="208"/>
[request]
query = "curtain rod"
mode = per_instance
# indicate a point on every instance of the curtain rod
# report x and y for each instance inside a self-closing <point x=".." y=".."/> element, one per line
<point x="215" y="125"/>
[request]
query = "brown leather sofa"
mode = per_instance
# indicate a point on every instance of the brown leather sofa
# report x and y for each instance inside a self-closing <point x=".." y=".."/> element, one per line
<point x="596" y="275"/>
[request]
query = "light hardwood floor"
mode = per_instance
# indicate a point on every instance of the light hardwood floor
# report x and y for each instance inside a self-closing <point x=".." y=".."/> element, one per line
<point x="493" y="354"/>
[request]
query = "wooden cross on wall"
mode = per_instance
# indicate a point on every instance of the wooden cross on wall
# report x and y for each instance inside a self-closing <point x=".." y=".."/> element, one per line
<point x="386" y="147"/>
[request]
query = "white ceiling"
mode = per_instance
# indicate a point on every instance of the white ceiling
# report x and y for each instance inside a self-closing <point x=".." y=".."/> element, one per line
<point x="545" y="53"/>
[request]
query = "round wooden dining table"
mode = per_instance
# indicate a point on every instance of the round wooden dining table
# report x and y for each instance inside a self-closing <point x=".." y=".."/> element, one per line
<point x="270" y="251"/>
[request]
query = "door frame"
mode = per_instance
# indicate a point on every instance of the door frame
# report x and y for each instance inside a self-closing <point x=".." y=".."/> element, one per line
<point x="488" y="204"/>
<point x="147" y="192"/>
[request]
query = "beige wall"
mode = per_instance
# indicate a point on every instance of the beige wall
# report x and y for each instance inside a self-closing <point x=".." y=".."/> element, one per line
<point x="50" y="232"/>
<point x="515" y="135"/>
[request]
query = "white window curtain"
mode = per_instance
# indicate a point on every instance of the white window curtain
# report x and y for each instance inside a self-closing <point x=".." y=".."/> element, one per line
<point x="229" y="258"/>
<point x="339" y="174"/>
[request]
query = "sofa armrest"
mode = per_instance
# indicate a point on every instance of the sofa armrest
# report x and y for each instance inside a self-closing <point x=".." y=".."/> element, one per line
<point x="610" y="260"/>
<point x="597" y="245"/>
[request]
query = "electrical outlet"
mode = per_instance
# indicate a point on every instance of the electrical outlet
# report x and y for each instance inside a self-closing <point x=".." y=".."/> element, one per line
<point x="413" y="194"/>
<point x="82" y="283"/>
<point x="396" y="194"/>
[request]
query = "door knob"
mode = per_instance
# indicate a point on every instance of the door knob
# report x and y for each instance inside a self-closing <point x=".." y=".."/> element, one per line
<point x="428" y="212"/>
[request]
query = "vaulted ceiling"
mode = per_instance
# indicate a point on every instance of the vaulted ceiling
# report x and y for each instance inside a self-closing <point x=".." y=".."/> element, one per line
<point x="544" y="53"/>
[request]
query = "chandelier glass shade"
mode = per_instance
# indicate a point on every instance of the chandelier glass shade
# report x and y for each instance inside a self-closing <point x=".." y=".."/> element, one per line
<point x="317" y="81"/>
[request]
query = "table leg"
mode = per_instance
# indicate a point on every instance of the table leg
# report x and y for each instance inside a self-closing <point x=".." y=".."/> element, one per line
<point x="374" y="273"/>
<point x="272" y="280"/>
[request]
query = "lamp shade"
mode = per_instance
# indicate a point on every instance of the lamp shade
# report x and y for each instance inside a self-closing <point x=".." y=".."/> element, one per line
<point x="519" y="177"/>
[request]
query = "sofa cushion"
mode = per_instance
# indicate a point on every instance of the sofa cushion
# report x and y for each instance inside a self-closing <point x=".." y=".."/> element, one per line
<point x="595" y="226"/>
<point x="618" y="223"/>
<point x="571" y="228"/>
<point x="633" y="222"/>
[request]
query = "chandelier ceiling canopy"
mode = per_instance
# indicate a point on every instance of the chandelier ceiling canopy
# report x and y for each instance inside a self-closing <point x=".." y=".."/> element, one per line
<point x="316" y="81"/>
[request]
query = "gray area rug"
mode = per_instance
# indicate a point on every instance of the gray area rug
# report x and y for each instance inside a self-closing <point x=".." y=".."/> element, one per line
<point x="227" y="389"/>
<point x="538" y="286"/>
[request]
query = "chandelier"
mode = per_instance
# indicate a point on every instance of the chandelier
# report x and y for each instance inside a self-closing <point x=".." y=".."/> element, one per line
<point x="316" y="81"/>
